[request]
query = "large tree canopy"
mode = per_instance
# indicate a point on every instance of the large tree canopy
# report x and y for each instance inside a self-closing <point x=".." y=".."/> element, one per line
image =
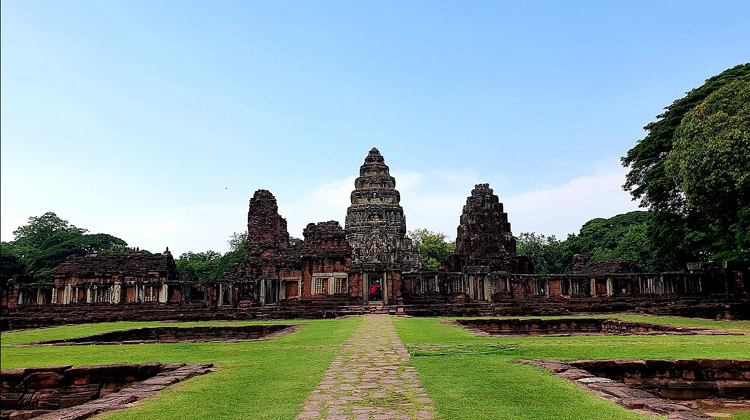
<point x="620" y="236"/>
<point x="211" y="265"/>
<point x="710" y="162"/>
<point x="671" y="226"/>
<point x="45" y="241"/>
<point x="433" y="247"/>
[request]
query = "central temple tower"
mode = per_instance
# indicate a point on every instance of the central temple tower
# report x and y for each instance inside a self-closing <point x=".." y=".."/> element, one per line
<point x="376" y="231"/>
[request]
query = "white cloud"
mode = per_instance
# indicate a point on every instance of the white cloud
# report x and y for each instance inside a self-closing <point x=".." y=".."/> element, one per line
<point x="563" y="209"/>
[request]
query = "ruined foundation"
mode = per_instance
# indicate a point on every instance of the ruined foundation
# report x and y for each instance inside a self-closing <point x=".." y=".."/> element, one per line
<point x="576" y="326"/>
<point x="663" y="387"/>
<point x="178" y="335"/>
<point x="73" y="393"/>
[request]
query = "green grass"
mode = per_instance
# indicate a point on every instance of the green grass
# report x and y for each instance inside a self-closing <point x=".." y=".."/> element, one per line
<point x="254" y="379"/>
<point x="271" y="379"/>
<point x="492" y="386"/>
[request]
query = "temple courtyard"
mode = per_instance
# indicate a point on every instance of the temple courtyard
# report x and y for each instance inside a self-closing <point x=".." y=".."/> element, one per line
<point x="388" y="367"/>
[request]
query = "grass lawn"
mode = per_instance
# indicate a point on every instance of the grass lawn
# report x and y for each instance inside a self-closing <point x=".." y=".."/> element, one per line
<point x="271" y="379"/>
<point x="491" y="386"/>
<point x="254" y="380"/>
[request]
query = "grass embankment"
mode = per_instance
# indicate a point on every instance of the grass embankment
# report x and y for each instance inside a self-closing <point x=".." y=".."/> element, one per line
<point x="254" y="379"/>
<point x="491" y="386"/>
<point x="271" y="379"/>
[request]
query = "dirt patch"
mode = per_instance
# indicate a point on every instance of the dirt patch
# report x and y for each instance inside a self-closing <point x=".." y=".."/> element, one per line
<point x="680" y="389"/>
<point x="74" y="393"/>
<point x="575" y="326"/>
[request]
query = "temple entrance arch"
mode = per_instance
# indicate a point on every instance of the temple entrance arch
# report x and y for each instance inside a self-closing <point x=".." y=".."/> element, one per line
<point x="375" y="288"/>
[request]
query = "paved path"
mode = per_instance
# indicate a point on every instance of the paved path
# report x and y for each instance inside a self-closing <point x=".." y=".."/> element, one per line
<point x="371" y="379"/>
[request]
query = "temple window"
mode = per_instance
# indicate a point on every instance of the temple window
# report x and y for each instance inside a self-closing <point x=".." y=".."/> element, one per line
<point x="319" y="286"/>
<point x="339" y="286"/>
<point x="457" y="284"/>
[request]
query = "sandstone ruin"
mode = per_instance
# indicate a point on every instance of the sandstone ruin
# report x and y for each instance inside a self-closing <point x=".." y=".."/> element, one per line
<point x="368" y="265"/>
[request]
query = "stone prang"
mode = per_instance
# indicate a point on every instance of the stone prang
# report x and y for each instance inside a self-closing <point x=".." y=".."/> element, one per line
<point x="375" y="222"/>
<point x="484" y="237"/>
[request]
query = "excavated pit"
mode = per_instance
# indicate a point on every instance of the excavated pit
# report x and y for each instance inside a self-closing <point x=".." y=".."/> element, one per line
<point x="74" y="393"/>
<point x="177" y="335"/>
<point x="672" y="387"/>
<point x="576" y="326"/>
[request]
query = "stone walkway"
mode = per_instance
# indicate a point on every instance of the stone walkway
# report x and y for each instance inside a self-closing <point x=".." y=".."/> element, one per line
<point x="371" y="379"/>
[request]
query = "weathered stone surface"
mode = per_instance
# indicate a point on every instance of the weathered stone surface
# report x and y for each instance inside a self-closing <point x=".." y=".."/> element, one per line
<point x="615" y="265"/>
<point x="371" y="379"/>
<point x="53" y="393"/>
<point x="484" y="237"/>
<point x="637" y="384"/>
<point x="375" y="221"/>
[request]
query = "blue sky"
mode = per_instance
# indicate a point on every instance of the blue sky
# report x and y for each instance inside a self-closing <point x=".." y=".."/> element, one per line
<point x="156" y="121"/>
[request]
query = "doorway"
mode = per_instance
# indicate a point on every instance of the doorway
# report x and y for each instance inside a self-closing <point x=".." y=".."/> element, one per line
<point x="376" y="288"/>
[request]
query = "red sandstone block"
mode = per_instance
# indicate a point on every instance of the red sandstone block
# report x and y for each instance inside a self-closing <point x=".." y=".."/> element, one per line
<point x="55" y="369"/>
<point x="714" y="363"/>
<point x="12" y="374"/>
<point x="9" y="400"/>
<point x="734" y="389"/>
<point x="40" y="380"/>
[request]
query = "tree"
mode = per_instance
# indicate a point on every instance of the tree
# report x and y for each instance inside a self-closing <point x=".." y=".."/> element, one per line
<point x="545" y="252"/>
<point x="237" y="241"/>
<point x="10" y="263"/>
<point x="204" y="264"/>
<point x="620" y="236"/>
<point x="211" y="265"/>
<point x="434" y="249"/>
<point x="45" y="241"/>
<point x="649" y="180"/>
<point x="710" y="163"/>
<point x="600" y="239"/>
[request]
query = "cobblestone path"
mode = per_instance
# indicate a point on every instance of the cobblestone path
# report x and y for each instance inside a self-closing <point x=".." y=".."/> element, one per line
<point x="371" y="379"/>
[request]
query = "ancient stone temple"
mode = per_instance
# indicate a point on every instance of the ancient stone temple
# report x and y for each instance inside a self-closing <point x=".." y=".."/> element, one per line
<point x="484" y="237"/>
<point x="367" y="265"/>
<point x="376" y="231"/>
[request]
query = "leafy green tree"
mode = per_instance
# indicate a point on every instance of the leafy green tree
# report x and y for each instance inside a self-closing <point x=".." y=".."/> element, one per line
<point x="545" y="252"/>
<point x="237" y="241"/>
<point x="434" y="249"/>
<point x="636" y="246"/>
<point x="10" y="262"/>
<point x="599" y="237"/>
<point x="649" y="180"/>
<point x="710" y="163"/>
<point x="620" y="236"/>
<point x="211" y="265"/>
<point x="45" y="241"/>
<point x="204" y="264"/>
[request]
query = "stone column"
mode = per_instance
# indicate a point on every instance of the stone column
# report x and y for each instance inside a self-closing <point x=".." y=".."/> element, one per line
<point x="163" y="293"/>
<point x="116" y="293"/>
<point x="67" y="294"/>
<point x="384" y="288"/>
<point x="610" y="287"/>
